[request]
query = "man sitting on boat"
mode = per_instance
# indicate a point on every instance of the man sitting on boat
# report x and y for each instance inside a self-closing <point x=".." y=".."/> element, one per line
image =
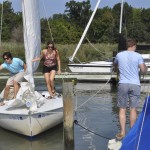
<point x="17" y="69"/>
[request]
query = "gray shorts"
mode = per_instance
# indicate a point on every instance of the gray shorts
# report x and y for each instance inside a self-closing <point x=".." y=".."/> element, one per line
<point x="19" y="77"/>
<point x="128" y="95"/>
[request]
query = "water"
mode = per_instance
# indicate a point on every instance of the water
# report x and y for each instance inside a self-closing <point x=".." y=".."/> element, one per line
<point x="96" y="111"/>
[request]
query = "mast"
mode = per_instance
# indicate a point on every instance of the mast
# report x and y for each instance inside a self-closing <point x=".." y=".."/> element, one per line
<point x="85" y="31"/>
<point x="122" y="40"/>
<point x="121" y="14"/>
<point x="1" y="26"/>
<point x="32" y="35"/>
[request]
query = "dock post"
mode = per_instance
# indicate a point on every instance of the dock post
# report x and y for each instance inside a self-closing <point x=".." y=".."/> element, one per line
<point x="68" y="124"/>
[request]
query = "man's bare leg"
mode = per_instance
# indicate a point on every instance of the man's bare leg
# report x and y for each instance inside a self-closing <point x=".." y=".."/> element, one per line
<point x="133" y="116"/>
<point x="122" y="119"/>
<point x="16" y="88"/>
<point x="6" y="92"/>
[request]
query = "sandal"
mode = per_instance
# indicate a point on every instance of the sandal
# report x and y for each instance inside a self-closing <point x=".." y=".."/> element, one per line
<point x="2" y="103"/>
<point x="49" y="97"/>
<point x="54" y="93"/>
<point x="119" y="136"/>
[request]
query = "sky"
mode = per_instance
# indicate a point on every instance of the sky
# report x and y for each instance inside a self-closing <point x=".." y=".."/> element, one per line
<point x="58" y="6"/>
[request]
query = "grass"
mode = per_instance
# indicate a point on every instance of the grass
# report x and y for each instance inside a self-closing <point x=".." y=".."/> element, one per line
<point x="85" y="53"/>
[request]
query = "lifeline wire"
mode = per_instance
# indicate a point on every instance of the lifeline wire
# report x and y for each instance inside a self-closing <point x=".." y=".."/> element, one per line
<point x="94" y="94"/>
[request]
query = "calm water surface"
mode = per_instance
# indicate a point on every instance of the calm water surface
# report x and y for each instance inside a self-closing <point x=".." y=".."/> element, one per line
<point x="95" y="110"/>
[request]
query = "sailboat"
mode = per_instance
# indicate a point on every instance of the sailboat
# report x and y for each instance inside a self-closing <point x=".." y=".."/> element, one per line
<point x="31" y="113"/>
<point x="99" y="67"/>
<point x="94" y="66"/>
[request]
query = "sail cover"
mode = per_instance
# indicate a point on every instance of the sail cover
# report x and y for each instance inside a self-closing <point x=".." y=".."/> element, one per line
<point x="138" y="136"/>
<point x="32" y="35"/>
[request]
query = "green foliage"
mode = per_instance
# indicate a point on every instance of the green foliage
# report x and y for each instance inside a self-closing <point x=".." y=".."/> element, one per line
<point x="78" y="12"/>
<point x="67" y="28"/>
<point x="85" y="53"/>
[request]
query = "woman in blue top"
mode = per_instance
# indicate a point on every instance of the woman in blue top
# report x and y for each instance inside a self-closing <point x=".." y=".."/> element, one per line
<point x="17" y="68"/>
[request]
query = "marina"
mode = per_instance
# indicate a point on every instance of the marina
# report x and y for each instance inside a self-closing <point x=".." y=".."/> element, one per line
<point x="82" y="114"/>
<point x="90" y="116"/>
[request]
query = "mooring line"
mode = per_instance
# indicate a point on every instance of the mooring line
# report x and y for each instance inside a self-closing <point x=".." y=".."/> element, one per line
<point x="76" y="123"/>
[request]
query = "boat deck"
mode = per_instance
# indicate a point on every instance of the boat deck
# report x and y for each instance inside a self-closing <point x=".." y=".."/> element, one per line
<point x="49" y="105"/>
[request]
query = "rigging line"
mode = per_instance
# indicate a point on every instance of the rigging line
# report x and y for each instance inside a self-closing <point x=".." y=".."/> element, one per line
<point x="92" y="45"/>
<point x="95" y="93"/>
<point x="85" y="31"/>
<point x="76" y="122"/>
<point x="1" y="26"/>
<point x="48" y="22"/>
<point x="96" y="48"/>
<point x="142" y="123"/>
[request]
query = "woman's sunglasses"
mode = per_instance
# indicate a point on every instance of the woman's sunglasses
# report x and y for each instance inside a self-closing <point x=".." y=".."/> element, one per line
<point x="50" y="46"/>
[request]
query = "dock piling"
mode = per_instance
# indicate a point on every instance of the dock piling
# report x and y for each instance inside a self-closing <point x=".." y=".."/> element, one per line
<point x="68" y="124"/>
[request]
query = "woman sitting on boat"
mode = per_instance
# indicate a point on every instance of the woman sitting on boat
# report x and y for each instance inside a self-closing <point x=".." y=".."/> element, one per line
<point x="51" y="64"/>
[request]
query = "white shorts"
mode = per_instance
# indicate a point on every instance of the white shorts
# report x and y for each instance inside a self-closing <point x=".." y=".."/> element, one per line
<point x="19" y="77"/>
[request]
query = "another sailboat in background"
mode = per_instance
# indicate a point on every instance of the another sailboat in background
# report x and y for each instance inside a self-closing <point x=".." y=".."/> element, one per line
<point x="103" y="67"/>
<point x="31" y="113"/>
<point x="92" y="67"/>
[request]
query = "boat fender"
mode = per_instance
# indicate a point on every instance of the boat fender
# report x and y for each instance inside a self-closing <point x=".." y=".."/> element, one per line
<point x="113" y="144"/>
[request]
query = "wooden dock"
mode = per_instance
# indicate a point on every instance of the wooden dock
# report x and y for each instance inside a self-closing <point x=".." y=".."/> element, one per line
<point x="88" y="77"/>
<point x="78" y="76"/>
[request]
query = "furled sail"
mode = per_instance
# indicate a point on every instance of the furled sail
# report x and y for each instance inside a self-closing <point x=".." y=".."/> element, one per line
<point x="32" y="35"/>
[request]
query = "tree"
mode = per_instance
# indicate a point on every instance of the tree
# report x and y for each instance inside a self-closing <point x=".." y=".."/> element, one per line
<point x="102" y="25"/>
<point x="17" y="34"/>
<point x="127" y="19"/>
<point x="78" y="12"/>
<point x="63" y="31"/>
<point x="8" y="22"/>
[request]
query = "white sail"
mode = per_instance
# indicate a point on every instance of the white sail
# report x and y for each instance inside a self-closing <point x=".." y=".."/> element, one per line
<point x="32" y="34"/>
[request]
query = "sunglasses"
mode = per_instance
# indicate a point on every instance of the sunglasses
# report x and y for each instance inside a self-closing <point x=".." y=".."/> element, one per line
<point x="50" y="46"/>
<point x="6" y="58"/>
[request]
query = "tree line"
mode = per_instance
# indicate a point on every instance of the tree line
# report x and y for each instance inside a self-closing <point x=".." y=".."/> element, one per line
<point x="67" y="28"/>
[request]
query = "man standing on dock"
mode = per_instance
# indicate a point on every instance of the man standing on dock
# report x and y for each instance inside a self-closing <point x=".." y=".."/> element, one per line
<point x="128" y="62"/>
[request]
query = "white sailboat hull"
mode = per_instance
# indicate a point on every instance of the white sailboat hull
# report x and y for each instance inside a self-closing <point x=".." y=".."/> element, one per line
<point x="92" y="67"/>
<point x="100" y="66"/>
<point x="21" y="121"/>
<point x="146" y="58"/>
